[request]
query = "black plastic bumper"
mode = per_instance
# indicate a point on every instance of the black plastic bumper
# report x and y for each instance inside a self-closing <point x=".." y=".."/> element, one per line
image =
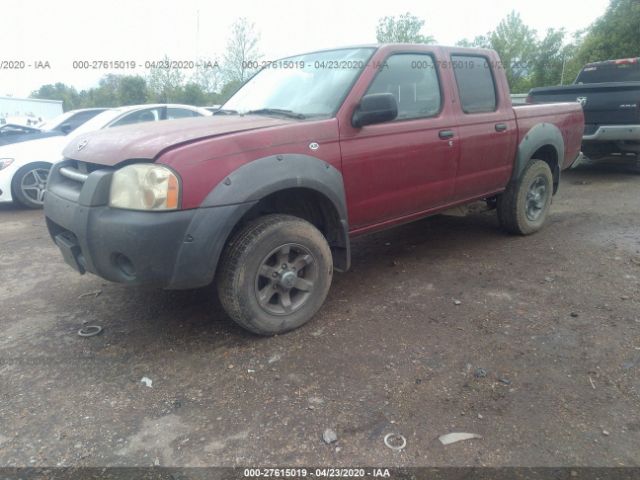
<point x="119" y="245"/>
<point x="177" y="249"/>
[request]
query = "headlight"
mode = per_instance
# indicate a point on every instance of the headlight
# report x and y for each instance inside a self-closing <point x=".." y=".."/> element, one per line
<point x="144" y="186"/>
<point x="5" y="162"/>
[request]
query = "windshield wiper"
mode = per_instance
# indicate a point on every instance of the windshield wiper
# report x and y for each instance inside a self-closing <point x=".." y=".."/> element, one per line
<point x="276" y="111"/>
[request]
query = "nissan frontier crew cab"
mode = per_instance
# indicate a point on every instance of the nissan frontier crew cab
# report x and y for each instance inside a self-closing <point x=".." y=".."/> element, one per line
<point x="265" y="196"/>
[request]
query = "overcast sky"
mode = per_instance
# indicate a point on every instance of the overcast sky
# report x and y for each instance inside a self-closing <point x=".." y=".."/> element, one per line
<point x="62" y="31"/>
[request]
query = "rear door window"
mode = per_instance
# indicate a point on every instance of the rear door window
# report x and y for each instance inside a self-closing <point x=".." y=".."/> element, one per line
<point x="621" y="71"/>
<point x="173" y="113"/>
<point x="79" y="118"/>
<point x="476" y="85"/>
<point x="139" y="116"/>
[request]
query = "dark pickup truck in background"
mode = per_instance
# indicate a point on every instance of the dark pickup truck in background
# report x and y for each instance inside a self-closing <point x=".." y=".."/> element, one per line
<point x="314" y="150"/>
<point x="609" y="93"/>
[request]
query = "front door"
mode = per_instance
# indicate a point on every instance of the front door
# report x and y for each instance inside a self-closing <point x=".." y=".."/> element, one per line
<point x="408" y="165"/>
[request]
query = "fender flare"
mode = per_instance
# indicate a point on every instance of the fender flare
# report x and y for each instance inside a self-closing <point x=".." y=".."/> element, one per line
<point x="537" y="137"/>
<point x="259" y="178"/>
<point x="242" y="189"/>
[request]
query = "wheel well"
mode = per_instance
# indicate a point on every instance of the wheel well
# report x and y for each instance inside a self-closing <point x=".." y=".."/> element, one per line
<point x="549" y="155"/>
<point x="311" y="206"/>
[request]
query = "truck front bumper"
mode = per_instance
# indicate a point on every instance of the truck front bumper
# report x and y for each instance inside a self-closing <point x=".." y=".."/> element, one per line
<point x="175" y="250"/>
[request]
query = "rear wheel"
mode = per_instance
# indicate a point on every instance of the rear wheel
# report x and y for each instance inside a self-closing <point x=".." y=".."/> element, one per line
<point x="523" y="207"/>
<point x="29" y="184"/>
<point x="275" y="274"/>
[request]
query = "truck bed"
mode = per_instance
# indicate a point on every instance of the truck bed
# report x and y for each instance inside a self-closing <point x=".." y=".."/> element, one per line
<point x="567" y="116"/>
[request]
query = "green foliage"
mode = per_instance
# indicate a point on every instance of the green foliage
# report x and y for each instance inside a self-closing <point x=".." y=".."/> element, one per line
<point x="403" y="29"/>
<point x="132" y="90"/>
<point x="527" y="61"/>
<point x="515" y="42"/>
<point x="530" y="62"/>
<point x="480" y="41"/>
<point x="207" y="75"/>
<point x="548" y="59"/>
<point x="164" y="84"/>
<point x="192" y="94"/>
<point x="59" y="91"/>
<point x="229" y="89"/>
<point x="116" y="90"/>
<point x="614" y="35"/>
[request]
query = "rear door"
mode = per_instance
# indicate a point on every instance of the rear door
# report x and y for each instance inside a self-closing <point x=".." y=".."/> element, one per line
<point x="404" y="166"/>
<point x="487" y="126"/>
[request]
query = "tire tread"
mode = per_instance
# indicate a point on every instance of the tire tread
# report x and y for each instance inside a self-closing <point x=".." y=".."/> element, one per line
<point x="228" y="281"/>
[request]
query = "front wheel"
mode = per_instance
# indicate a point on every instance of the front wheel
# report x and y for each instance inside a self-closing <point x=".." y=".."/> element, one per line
<point x="524" y="205"/>
<point x="275" y="274"/>
<point x="29" y="184"/>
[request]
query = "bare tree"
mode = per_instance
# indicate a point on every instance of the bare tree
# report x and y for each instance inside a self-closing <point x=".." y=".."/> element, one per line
<point x="207" y="75"/>
<point x="240" y="59"/>
<point x="404" y="29"/>
<point x="164" y="82"/>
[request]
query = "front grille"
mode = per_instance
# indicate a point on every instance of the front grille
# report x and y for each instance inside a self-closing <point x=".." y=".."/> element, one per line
<point x="73" y="174"/>
<point x="69" y="176"/>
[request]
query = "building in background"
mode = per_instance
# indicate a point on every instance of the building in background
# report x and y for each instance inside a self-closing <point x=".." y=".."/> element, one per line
<point x="28" y="111"/>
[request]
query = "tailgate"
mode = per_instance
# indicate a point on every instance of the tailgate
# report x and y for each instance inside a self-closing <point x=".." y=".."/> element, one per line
<point x="603" y="103"/>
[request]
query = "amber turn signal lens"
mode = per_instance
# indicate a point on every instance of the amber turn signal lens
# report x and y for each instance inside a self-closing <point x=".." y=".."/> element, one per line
<point x="172" y="192"/>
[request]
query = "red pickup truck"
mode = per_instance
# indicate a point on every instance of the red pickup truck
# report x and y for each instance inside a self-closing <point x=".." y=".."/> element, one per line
<point x="312" y="151"/>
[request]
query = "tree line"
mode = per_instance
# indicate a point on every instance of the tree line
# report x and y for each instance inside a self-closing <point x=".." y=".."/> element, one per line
<point x="529" y="59"/>
<point x="211" y="81"/>
<point x="534" y="60"/>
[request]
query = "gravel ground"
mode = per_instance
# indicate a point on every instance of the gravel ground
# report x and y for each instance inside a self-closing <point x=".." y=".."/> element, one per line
<point x="444" y="325"/>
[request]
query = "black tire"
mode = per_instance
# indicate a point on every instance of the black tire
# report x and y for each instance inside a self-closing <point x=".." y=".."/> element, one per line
<point x="524" y="205"/>
<point x="257" y="291"/>
<point x="28" y="184"/>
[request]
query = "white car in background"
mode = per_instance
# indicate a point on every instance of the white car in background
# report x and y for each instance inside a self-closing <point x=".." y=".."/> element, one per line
<point x="24" y="167"/>
<point x="63" y="124"/>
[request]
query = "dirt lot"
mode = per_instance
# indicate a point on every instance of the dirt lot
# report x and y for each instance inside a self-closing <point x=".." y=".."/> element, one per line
<point x="553" y="319"/>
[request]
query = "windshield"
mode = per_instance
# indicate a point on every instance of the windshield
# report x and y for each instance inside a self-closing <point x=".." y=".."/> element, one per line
<point x="55" y="122"/>
<point x="97" y="122"/>
<point x="610" y="72"/>
<point x="313" y="84"/>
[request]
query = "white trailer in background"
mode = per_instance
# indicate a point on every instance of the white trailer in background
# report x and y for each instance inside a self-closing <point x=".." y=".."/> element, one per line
<point x="28" y="111"/>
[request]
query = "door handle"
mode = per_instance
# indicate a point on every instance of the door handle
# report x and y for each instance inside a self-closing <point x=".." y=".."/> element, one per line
<point x="445" y="134"/>
<point x="501" y="127"/>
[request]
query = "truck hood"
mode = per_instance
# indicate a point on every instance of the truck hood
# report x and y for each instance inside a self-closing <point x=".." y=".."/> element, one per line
<point x="147" y="140"/>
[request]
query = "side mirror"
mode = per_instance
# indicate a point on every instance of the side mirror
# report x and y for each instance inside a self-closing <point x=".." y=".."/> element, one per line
<point x="375" y="108"/>
<point x="65" y="128"/>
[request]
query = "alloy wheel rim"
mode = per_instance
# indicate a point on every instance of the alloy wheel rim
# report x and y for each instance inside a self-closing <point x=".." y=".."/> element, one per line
<point x="285" y="279"/>
<point x="536" y="199"/>
<point x="34" y="185"/>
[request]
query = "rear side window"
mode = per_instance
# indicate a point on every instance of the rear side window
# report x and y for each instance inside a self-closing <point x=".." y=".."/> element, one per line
<point x="617" y="71"/>
<point x="79" y="118"/>
<point x="476" y="86"/>
<point x="173" y="113"/>
<point x="413" y="80"/>
<point x="139" y="116"/>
